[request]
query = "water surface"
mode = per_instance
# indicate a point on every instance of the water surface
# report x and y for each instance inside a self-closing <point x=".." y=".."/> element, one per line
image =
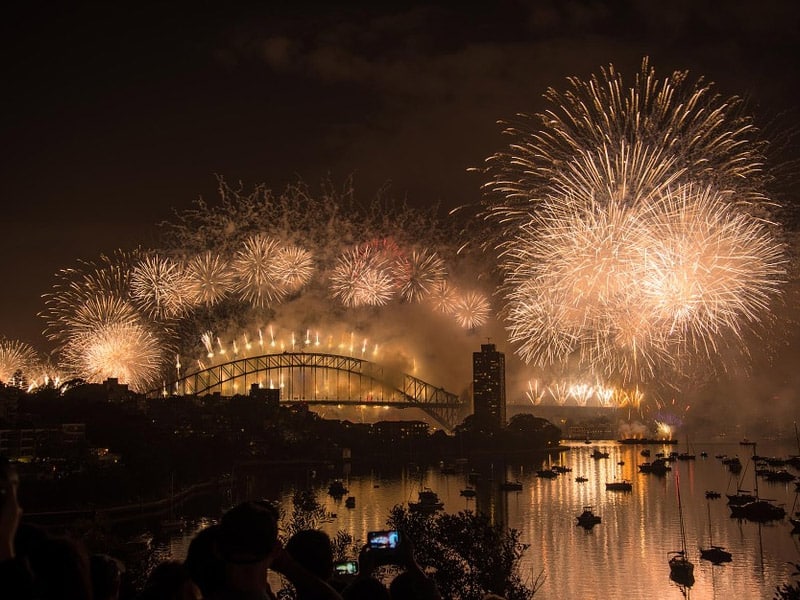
<point x="623" y="556"/>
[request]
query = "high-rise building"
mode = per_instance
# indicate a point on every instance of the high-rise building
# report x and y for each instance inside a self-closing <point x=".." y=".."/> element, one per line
<point x="489" y="386"/>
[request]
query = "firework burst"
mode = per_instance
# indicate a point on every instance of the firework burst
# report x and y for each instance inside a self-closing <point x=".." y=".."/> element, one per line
<point x="158" y="285"/>
<point x="208" y="279"/>
<point x="472" y="310"/>
<point x="102" y="283"/>
<point x="633" y="229"/>
<point x="296" y="265"/>
<point x="424" y="269"/>
<point x="363" y="276"/>
<point x="658" y="131"/>
<point x="18" y="362"/>
<point x="129" y="315"/>
<point x="257" y="266"/>
<point x="127" y="351"/>
<point x="444" y="297"/>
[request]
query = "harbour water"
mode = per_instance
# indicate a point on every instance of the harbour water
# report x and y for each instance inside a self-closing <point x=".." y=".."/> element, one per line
<point x="624" y="556"/>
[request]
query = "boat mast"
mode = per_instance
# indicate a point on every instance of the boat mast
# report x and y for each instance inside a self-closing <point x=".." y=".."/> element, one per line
<point x="755" y="475"/>
<point x="797" y="437"/>
<point x="680" y="514"/>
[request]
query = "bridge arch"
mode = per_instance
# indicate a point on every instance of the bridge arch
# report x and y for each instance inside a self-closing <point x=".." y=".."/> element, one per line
<point x="319" y="378"/>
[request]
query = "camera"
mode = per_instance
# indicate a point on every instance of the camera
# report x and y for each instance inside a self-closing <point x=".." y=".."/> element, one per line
<point x="348" y="567"/>
<point x="383" y="540"/>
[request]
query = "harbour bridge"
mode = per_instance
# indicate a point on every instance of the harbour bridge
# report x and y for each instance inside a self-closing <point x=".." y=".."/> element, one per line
<point x="320" y="379"/>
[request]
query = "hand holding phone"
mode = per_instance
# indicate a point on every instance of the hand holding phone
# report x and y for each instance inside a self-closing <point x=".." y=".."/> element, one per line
<point x="348" y="567"/>
<point x="381" y="548"/>
<point x="383" y="540"/>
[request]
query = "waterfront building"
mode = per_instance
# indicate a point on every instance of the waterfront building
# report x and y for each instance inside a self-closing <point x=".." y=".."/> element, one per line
<point x="489" y="386"/>
<point x="394" y="431"/>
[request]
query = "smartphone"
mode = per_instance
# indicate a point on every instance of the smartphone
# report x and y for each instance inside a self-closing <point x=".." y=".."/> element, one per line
<point x="383" y="540"/>
<point x="348" y="567"/>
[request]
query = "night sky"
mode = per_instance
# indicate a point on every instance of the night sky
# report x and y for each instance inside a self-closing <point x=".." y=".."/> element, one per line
<point x="116" y="114"/>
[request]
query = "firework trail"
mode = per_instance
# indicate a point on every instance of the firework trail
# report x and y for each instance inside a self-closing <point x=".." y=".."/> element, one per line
<point x="633" y="229"/>
<point x="559" y="391"/>
<point x="534" y="394"/>
<point x="581" y="392"/>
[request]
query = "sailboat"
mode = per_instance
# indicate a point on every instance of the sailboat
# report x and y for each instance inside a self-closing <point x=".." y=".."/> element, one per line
<point x="681" y="569"/>
<point x="173" y="523"/>
<point x="795" y="459"/>
<point x="757" y="510"/>
<point x="714" y="554"/>
<point x="688" y="455"/>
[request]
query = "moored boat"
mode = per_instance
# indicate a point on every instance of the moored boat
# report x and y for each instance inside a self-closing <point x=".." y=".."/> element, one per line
<point x="781" y="475"/>
<point x="759" y="511"/>
<point x="428" y="502"/>
<point x="740" y="497"/>
<point x="714" y="554"/>
<point x="511" y="486"/>
<point x="658" y="467"/>
<point x="587" y="518"/>
<point x="681" y="569"/>
<point x="337" y="489"/>
<point x="619" y="486"/>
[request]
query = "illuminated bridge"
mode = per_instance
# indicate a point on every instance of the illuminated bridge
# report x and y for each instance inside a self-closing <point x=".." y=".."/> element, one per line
<point x="315" y="378"/>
